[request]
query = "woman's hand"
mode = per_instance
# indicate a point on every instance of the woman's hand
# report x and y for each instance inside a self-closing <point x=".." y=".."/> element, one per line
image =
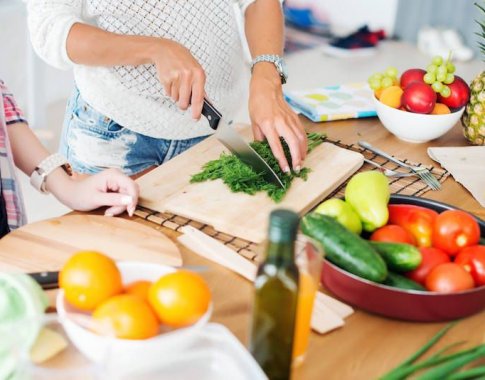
<point x="271" y="117"/>
<point x="109" y="188"/>
<point x="180" y="74"/>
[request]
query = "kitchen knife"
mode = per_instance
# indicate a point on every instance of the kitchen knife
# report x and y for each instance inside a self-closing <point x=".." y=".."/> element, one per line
<point x="226" y="134"/>
<point x="47" y="280"/>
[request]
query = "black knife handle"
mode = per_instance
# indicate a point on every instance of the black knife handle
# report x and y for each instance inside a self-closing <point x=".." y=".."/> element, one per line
<point x="212" y="115"/>
<point x="47" y="280"/>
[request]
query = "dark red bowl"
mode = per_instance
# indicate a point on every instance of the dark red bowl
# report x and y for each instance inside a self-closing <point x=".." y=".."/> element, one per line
<point x="396" y="303"/>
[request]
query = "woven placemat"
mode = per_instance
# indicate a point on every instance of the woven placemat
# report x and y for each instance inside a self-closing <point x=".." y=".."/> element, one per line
<point x="403" y="185"/>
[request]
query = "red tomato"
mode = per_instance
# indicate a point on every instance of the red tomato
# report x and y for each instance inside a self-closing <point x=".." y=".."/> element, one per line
<point x="449" y="278"/>
<point x="454" y="230"/>
<point x="430" y="258"/>
<point x="473" y="260"/>
<point x="392" y="233"/>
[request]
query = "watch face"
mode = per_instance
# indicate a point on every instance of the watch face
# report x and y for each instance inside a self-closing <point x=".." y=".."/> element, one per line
<point x="283" y="71"/>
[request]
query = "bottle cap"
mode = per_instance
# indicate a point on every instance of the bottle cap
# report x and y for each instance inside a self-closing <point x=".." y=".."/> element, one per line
<point x="283" y="225"/>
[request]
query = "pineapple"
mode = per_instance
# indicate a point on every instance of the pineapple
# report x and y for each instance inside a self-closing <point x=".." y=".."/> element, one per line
<point x="473" y="118"/>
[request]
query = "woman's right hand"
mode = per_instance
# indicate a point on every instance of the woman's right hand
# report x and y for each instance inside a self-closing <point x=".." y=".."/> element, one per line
<point x="180" y="74"/>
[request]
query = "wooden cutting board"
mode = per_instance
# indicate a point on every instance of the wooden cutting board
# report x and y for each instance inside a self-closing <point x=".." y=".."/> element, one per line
<point x="46" y="245"/>
<point x="168" y="189"/>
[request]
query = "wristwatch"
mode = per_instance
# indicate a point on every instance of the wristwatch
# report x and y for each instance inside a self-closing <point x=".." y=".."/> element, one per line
<point x="46" y="167"/>
<point x="275" y="60"/>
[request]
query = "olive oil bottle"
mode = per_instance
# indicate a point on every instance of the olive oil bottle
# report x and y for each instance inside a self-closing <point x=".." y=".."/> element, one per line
<point x="275" y="300"/>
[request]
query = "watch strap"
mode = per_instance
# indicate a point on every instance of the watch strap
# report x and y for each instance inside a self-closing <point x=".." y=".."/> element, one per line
<point x="46" y="167"/>
<point x="276" y="60"/>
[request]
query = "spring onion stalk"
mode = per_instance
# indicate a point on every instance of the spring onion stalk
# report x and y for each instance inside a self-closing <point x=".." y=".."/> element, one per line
<point x="469" y="374"/>
<point x="449" y="366"/>
<point x="397" y="373"/>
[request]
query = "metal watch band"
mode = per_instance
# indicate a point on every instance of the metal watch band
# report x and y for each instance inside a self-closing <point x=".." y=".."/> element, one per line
<point x="276" y="60"/>
<point x="46" y="167"/>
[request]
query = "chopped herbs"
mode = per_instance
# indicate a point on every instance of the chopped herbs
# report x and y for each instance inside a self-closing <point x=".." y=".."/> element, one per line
<point x="240" y="177"/>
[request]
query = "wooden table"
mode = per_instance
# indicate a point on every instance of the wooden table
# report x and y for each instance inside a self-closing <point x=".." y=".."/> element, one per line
<point x="368" y="345"/>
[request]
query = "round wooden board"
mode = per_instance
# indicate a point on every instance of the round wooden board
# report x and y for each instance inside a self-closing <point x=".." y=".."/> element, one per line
<point x="46" y="245"/>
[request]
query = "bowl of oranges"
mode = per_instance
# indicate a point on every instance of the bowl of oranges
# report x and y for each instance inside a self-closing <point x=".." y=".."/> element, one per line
<point x="420" y="105"/>
<point x="115" y="312"/>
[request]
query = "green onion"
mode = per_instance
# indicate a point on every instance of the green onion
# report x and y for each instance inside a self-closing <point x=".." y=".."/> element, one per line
<point x="445" y="369"/>
<point x="472" y="373"/>
<point x="401" y="371"/>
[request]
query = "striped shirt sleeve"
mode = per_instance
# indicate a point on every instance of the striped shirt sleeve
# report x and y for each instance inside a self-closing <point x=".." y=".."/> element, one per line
<point x="13" y="114"/>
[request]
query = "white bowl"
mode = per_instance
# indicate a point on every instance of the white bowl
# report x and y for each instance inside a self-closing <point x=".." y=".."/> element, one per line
<point x="415" y="127"/>
<point x="125" y="354"/>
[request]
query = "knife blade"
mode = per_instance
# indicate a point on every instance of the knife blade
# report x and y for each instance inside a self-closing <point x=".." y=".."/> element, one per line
<point x="226" y="134"/>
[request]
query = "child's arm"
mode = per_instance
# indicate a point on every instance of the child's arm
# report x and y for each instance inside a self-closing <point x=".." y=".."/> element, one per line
<point x="109" y="188"/>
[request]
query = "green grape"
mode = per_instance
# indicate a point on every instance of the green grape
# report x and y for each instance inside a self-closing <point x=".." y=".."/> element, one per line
<point x="376" y="76"/>
<point x="441" y="77"/>
<point x="375" y="84"/>
<point x="387" y="82"/>
<point x="450" y="67"/>
<point x="437" y="60"/>
<point x="391" y="72"/>
<point x="432" y="69"/>
<point x="429" y="78"/>
<point x="437" y="86"/>
<point x="442" y="70"/>
<point x="445" y="92"/>
<point x="450" y="78"/>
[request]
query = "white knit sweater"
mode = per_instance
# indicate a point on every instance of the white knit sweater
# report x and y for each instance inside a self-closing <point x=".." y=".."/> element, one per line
<point x="132" y="95"/>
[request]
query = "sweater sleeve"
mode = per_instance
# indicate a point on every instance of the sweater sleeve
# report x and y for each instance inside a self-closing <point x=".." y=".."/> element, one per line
<point x="244" y="4"/>
<point x="49" y="23"/>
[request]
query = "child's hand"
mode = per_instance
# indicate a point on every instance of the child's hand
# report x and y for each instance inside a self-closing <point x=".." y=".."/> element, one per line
<point x="108" y="188"/>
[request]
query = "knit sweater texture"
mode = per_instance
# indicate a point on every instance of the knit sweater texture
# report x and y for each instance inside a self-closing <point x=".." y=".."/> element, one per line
<point x="132" y="95"/>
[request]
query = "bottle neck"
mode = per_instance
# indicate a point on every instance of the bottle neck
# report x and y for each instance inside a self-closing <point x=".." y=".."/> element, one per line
<point x="280" y="254"/>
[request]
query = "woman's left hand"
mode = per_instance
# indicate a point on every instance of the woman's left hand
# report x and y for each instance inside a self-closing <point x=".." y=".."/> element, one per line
<point x="272" y="118"/>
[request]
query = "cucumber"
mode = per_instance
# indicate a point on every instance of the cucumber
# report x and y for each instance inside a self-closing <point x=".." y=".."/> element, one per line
<point x="399" y="257"/>
<point x="401" y="282"/>
<point x="345" y="248"/>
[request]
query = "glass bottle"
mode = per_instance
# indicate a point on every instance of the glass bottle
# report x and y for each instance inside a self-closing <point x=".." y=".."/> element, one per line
<point x="276" y="297"/>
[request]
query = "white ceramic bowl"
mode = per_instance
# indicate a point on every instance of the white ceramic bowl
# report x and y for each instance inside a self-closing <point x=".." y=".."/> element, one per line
<point x="125" y="354"/>
<point x="415" y="127"/>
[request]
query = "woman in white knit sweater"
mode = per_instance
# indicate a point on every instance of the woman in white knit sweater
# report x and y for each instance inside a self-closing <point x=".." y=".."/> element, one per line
<point x="142" y="69"/>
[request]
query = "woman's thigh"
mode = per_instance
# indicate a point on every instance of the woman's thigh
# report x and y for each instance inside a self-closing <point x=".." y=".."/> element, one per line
<point x="92" y="142"/>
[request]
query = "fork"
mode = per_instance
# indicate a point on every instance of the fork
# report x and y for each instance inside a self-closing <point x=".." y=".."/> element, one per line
<point x="421" y="172"/>
<point x="389" y="172"/>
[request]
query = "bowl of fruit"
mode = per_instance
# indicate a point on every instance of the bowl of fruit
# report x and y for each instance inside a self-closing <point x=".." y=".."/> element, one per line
<point x="402" y="257"/>
<point x="116" y="311"/>
<point x="420" y="105"/>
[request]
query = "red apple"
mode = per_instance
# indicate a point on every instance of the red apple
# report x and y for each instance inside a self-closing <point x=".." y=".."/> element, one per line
<point x="459" y="96"/>
<point x="412" y="75"/>
<point x="418" y="97"/>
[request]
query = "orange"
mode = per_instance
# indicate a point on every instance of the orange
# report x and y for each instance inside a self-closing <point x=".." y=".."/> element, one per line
<point x="378" y="93"/>
<point x="179" y="298"/>
<point x="139" y="288"/>
<point x="440" y="109"/>
<point x="88" y="278"/>
<point x="127" y="316"/>
<point x="391" y="96"/>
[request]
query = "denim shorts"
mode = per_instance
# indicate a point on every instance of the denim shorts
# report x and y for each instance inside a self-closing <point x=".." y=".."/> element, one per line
<point x="93" y="142"/>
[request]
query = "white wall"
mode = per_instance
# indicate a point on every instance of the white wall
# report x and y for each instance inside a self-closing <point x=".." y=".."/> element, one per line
<point x="35" y="84"/>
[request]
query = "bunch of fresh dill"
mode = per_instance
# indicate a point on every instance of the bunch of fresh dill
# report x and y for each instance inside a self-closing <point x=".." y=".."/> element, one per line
<point x="240" y="177"/>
